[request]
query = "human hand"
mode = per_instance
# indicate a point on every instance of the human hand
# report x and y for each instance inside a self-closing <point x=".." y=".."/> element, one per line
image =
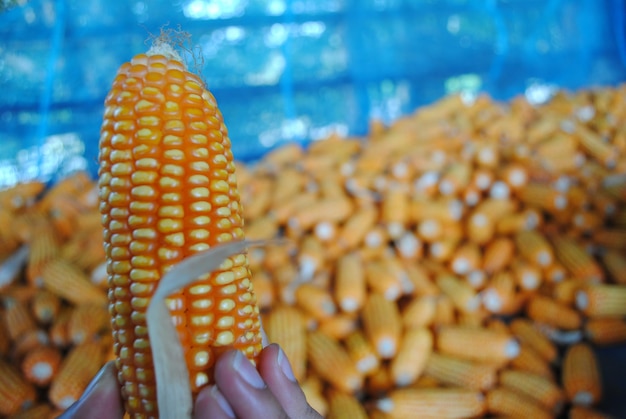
<point x="239" y="391"/>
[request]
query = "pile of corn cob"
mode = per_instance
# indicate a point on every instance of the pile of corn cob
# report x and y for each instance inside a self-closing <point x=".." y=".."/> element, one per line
<point x="462" y="262"/>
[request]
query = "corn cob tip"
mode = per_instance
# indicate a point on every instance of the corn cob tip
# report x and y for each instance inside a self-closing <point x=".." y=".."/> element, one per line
<point x="162" y="46"/>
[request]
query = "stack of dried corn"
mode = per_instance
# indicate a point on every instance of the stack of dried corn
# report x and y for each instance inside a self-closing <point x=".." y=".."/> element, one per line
<point x="54" y="322"/>
<point x="462" y="262"/>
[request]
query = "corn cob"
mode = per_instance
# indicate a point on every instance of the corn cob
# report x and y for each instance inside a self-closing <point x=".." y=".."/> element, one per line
<point x="419" y="312"/>
<point x="580" y="375"/>
<point x="530" y="361"/>
<point x="466" y="258"/>
<point x="546" y="310"/>
<point x="45" y="306"/>
<point x="602" y="300"/>
<point x="44" y="247"/>
<point x="315" y="300"/>
<point x="77" y="369"/>
<point x="459" y="372"/>
<point x="350" y="283"/>
<point x="615" y="263"/>
<point x="576" y="259"/>
<point x="15" y="392"/>
<point x="340" y="325"/>
<point x="526" y="333"/>
<point x="28" y="341"/>
<point x="285" y="326"/>
<point x="499" y="295"/>
<point x="478" y="344"/>
<point x="394" y="211"/>
<point x="355" y="229"/>
<point x="58" y="332"/>
<point x="415" y="348"/>
<point x="342" y="405"/>
<point x="382" y="325"/>
<point x="379" y="382"/>
<point x="498" y="254"/>
<point x="17" y="318"/>
<point x="538" y="388"/>
<point x="503" y="401"/>
<point x="41" y="364"/>
<point x="432" y="403"/>
<point x="38" y="411"/>
<point x="605" y="331"/>
<point x="579" y="412"/>
<point x="86" y="321"/>
<point x="534" y="247"/>
<point x="312" y="389"/>
<point x="462" y="295"/>
<point x="361" y="352"/>
<point x="381" y="277"/>
<point x="332" y="363"/>
<point x="168" y="191"/>
<point x="565" y="292"/>
<point x="70" y="283"/>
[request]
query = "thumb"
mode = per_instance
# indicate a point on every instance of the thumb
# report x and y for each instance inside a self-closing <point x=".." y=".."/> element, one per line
<point x="101" y="399"/>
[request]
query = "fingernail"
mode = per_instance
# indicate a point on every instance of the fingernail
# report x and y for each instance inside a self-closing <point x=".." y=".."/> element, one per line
<point x="222" y="402"/>
<point x="285" y="366"/>
<point x="246" y="370"/>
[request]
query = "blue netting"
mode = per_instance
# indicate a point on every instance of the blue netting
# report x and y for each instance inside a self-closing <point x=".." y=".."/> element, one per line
<point x="290" y="70"/>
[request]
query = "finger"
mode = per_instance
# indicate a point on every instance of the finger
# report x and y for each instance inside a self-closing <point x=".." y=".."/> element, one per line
<point x="276" y="371"/>
<point x="101" y="399"/>
<point x="211" y="404"/>
<point x="244" y="389"/>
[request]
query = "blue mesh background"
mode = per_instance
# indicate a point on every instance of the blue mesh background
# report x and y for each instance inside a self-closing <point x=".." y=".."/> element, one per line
<point x="289" y="70"/>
